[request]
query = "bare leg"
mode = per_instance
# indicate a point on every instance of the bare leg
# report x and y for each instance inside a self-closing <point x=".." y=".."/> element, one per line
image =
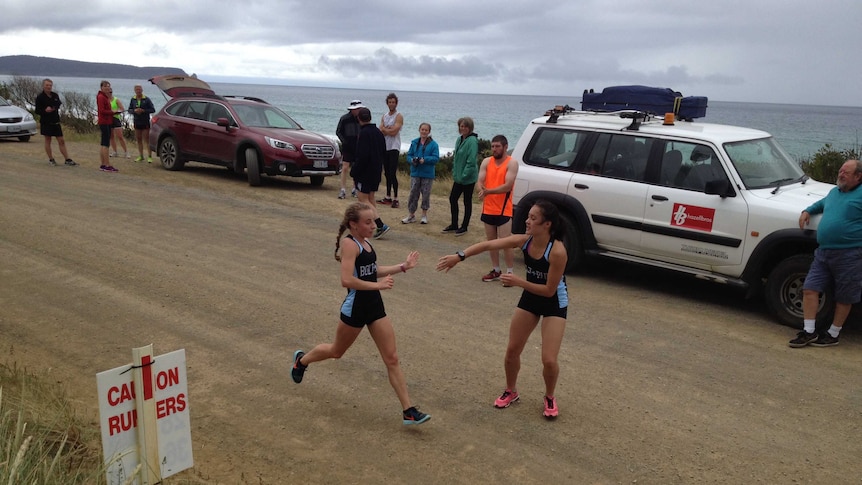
<point x="384" y="336"/>
<point x="841" y="312"/>
<point x="490" y="234"/>
<point x="810" y="302"/>
<point x="345" y="335"/>
<point x="62" y="142"/>
<point x="552" y="339"/>
<point x="48" y="148"/>
<point x="523" y="324"/>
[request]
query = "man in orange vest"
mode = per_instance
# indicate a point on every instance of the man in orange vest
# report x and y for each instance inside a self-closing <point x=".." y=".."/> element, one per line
<point x="496" y="181"/>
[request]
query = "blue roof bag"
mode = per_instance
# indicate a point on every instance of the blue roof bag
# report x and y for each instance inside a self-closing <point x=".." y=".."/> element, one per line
<point x="656" y="101"/>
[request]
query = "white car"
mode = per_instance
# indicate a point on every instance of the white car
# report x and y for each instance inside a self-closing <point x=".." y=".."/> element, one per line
<point x="717" y="202"/>
<point x="16" y="122"/>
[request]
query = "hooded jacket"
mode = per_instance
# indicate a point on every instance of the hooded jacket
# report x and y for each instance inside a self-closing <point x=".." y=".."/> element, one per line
<point x="465" y="168"/>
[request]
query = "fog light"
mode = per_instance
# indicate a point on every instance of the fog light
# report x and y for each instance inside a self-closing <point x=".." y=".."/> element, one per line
<point x="282" y="167"/>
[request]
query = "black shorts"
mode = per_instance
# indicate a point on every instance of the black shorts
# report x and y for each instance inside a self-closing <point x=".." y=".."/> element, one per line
<point x="542" y="306"/>
<point x="492" y="220"/>
<point x="143" y="125"/>
<point x="117" y="123"/>
<point x="367" y="187"/>
<point x="51" y="129"/>
<point x="106" y="135"/>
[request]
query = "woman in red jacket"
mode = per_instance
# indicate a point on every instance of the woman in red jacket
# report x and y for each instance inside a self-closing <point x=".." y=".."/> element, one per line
<point x="106" y="124"/>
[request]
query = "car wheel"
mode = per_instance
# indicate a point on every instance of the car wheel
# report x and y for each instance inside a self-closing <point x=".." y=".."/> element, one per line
<point x="317" y="180"/>
<point x="784" y="292"/>
<point x="252" y="166"/>
<point x="169" y="154"/>
<point x="24" y="138"/>
<point x="572" y="240"/>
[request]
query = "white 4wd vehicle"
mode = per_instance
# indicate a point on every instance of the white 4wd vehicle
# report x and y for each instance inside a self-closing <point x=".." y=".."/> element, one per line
<point x="718" y="202"/>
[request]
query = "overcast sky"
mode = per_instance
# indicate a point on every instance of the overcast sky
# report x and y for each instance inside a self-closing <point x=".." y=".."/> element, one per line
<point x="777" y="51"/>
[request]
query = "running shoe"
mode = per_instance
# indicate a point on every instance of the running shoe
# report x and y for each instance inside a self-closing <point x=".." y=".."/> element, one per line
<point x="825" y="340"/>
<point x="461" y="231"/>
<point x="298" y="370"/>
<point x="551" y="410"/>
<point x="52" y="163"/>
<point x="409" y="219"/>
<point x="127" y="155"/>
<point x="424" y="220"/>
<point x="381" y="231"/>
<point x="412" y="416"/>
<point x="111" y="168"/>
<point x="70" y="163"/>
<point x="353" y="192"/>
<point x="450" y="228"/>
<point x="505" y="399"/>
<point x="385" y="201"/>
<point x="342" y="194"/>
<point x="802" y="339"/>
<point x="139" y="159"/>
<point x="395" y="204"/>
<point x="112" y="154"/>
<point x="491" y="276"/>
<point x="149" y="159"/>
<point x="102" y="167"/>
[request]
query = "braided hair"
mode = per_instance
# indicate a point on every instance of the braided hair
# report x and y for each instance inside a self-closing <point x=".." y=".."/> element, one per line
<point x="351" y="214"/>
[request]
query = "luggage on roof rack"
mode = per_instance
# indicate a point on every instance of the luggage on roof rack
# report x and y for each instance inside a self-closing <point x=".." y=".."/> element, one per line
<point x="657" y="101"/>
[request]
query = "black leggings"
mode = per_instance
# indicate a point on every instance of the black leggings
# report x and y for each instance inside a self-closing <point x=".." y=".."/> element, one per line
<point x="457" y="190"/>
<point x="390" y="170"/>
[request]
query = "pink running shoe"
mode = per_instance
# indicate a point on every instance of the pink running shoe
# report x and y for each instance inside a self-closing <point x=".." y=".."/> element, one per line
<point x="505" y="399"/>
<point x="551" y="409"/>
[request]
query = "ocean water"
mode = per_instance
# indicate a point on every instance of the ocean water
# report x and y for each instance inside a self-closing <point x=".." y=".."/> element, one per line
<point x="801" y="129"/>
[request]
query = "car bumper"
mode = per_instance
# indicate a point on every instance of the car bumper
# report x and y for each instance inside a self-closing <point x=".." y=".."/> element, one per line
<point x="14" y="131"/>
<point x="291" y="169"/>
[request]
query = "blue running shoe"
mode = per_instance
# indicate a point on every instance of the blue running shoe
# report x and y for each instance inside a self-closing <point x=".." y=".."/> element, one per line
<point x="413" y="416"/>
<point x="298" y="369"/>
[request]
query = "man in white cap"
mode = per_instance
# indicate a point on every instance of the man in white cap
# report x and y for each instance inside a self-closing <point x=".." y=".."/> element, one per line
<point x="347" y="132"/>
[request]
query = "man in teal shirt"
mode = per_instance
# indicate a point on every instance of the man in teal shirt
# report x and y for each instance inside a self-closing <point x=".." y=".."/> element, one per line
<point x="838" y="259"/>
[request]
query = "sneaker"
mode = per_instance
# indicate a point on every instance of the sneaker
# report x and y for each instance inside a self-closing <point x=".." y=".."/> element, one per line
<point x="413" y="416"/>
<point x="551" y="411"/>
<point x="491" y="276"/>
<point x="395" y="204"/>
<point x="385" y="201"/>
<point x="112" y="154"/>
<point x="103" y="167"/>
<point x="342" y="194"/>
<point x="450" y="228"/>
<point x="52" y="163"/>
<point x="802" y="339"/>
<point x="505" y="399"/>
<point x="298" y="370"/>
<point x="424" y="220"/>
<point x="409" y="219"/>
<point x="69" y="162"/>
<point x="461" y="231"/>
<point x="353" y="192"/>
<point x="111" y="168"/>
<point x="381" y="231"/>
<point x="139" y="159"/>
<point x="149" y="159"/>
<point x="127" y="155"/>
<point x="825" y="340"/>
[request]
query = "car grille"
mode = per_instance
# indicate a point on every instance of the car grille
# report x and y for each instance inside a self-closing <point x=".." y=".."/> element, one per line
<point x="11" y="120"/>
<point x="318" y="152"/>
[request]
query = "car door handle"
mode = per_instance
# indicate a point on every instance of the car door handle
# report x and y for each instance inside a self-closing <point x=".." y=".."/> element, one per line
<point x="659" y="198"/>
<point x="582" y="186"/>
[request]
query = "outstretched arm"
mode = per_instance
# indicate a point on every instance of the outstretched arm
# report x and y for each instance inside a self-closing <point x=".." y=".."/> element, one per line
<point x="445" y="263"/>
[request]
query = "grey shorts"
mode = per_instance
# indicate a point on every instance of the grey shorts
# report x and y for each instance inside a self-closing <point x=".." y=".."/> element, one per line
<point x="837" y="269"/>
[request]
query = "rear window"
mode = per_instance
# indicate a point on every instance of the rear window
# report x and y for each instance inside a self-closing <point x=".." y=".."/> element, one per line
<point x="555" y="148"/>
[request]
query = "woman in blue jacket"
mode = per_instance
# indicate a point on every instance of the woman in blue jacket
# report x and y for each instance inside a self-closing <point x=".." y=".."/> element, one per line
<point x="422" y="156"/>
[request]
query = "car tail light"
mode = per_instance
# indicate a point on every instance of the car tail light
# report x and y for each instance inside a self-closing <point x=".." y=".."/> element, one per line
<point x="155" y="119"/>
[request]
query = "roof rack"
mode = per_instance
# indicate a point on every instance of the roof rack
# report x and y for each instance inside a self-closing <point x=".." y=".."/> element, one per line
<point x="637" y="117"/>
<point x="248" y="98"/>
<point x="191" y="94"/>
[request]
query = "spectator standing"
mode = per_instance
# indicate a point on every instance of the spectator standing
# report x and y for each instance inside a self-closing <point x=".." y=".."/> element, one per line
<point x="117" y="126"/>
<point x="141" y="108"/>
<point x="838" y="258"/>
<point x="368" y="165"/>
<point x="465" y="172"/>
<point x="422" y="156"/>
<point x="390" y="126"/>
<point x="496" y="181"/>
<point x="48" y="108"/>
<point x="363" y="305"/>
<point x="105" y="118"/>
<point x="347" y="132"/>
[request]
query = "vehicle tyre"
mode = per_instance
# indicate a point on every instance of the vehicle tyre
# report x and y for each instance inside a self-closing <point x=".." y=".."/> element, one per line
<point x="169" y="154"/>
<point x="252" y="166"/>
<point x="317" y="180"/>
<point x="784" y="292"/>
<point x="572" y="240"/>
<point x="24" y="138"/>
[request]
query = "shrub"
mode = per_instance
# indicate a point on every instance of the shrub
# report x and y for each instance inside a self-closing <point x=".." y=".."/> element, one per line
<point x="824" y="165"/>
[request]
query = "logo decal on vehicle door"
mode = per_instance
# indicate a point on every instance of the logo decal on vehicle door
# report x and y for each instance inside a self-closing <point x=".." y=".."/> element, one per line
<point x="692" y="217"/>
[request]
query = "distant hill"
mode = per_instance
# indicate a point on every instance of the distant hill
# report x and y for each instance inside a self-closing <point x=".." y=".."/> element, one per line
<point x="50" y="66"/>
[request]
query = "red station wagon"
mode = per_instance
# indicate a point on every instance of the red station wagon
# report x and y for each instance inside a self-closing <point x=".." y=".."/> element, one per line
<point x="238" y="132"/>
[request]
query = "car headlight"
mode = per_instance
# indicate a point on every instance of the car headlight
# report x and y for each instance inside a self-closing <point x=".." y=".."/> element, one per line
<point x="28" y="117"/>
<point x="281" y="145"/>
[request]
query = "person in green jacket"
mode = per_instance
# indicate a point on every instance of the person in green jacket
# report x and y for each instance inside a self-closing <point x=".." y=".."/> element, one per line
<point x="465" y="172"/>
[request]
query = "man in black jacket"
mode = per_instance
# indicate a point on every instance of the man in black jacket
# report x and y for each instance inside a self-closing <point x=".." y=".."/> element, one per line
<point x="368" y="166"/>
<point x="48" y="108"/>
<point x="347" y="132"/>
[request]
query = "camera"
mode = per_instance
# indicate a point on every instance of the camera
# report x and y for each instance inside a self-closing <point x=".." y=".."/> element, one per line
<point x="416" y="160"/>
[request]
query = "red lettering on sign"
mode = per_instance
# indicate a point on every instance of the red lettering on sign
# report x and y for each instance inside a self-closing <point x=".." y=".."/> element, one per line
<point x="692" y="217"/>
<point x="120" y="395"/>
<point x="122" y="422"/>
<point x="171" y="405"/>
<point x="168" y="378"/>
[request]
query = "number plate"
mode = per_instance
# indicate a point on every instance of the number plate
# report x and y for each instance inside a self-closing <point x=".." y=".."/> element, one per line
<point x="321" y="163"/>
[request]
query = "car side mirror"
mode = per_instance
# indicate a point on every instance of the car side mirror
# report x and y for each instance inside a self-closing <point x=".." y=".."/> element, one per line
<point x="718" y="187"/>
<point x="224" y="122"/>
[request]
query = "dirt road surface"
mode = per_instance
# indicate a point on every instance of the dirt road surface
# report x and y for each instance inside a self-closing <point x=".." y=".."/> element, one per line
<point x="664" y="380"/>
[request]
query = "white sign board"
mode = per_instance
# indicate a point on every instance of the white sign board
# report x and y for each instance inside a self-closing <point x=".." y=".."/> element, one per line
<point x="119" y="418"/>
